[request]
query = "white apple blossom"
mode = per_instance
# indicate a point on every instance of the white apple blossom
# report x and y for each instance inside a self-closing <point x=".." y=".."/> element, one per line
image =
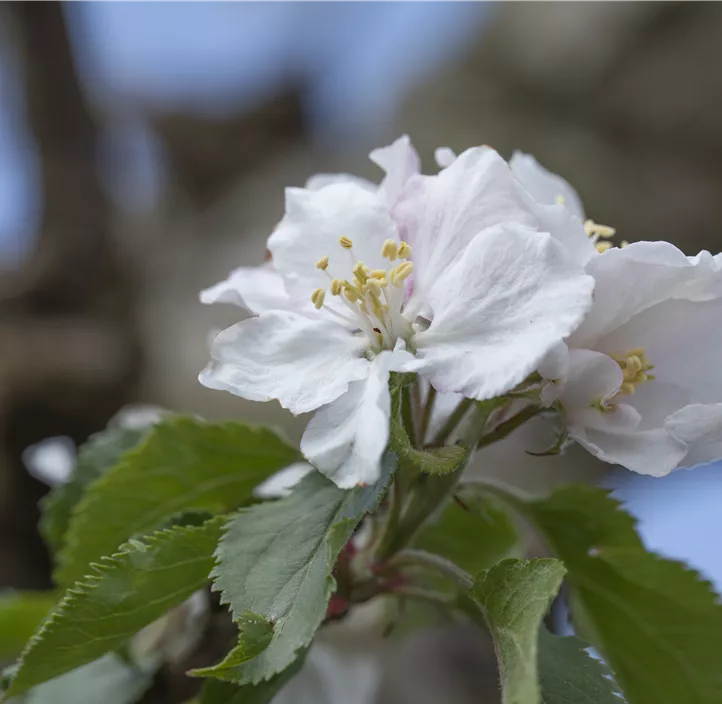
<point x="453" y="276"/>
<point x="642" y="387"/>
<point x="638" y="379"/>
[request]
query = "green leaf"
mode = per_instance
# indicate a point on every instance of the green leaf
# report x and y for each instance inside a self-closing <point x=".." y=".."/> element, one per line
<point x="656" y="622"/>
<point x="125" y="593"/>
<point x="514" y="596"/>
<point x="184" y="465"/>
<point x="276" y="560"/>
<point x="218" y="692"/>
<point x="569" y="675"/>
<point x="475" y="534"/>
<point x="101" y="452"/>
<point x="108" y="680"/>
<point x="21" y="613"/>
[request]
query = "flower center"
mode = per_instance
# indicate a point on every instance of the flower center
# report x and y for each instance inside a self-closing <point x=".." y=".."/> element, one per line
<point x="374" y="297"/>
<point x="634" y="365"/>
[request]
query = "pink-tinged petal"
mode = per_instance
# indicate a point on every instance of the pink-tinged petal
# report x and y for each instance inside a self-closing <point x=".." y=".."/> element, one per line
<point x="346" y="439"/>
<point x="281" y="483"/>
<point x="304" y="363"/>
<point x="636" y="278"/>
<point x="440" y="215"/>
<point x="546" y="188"/>
<point x="400" y="162"/>
<point x="499" y="310"/>
<point x="255" y="288"/>
<point x="312" y="226"/>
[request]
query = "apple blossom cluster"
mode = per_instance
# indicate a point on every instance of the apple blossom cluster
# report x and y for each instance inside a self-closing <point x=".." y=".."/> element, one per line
<point x="487" y="281"/>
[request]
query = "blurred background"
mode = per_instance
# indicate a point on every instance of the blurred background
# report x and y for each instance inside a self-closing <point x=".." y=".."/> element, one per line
<point x="144" y="148"/>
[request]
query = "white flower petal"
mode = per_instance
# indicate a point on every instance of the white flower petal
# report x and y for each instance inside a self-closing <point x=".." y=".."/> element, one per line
<point x="282" y="483"/>
<point x="553" y="368"/>
<point x="682" y="339"/>
<point x="256" y="288"/>
<point x="319" y="181"/>
<point x="444" y="156"/>
<point x="499" y="310"/>
<point x="697" y="423"/>
<point x="346" y="439"/>
<point x="400" y="162"/>
<point x="592" y="378"/>
<point x="312" y="226"/>
<point x="546" y="187"/>
<point x="440" y="215"/>
<point x="653" y="452"/>
<point x="304" y="363"/>
<point x="638" y="277"/>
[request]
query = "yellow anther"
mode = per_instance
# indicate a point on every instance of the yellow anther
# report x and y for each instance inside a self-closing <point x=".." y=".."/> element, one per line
<point x="602" y="246"/>
<point x="623" y="244"/>
<point x="634" y="365"/>
<point x="373" y="286"/>
<point x="390" y="250"/>
<point x="595" y="229"/>
<point x="561" y="200"/>
<point x="378" y="274"/>
<point x="317" y="297"/>
<point x="322" y="263"/>
<point x="345" y="242"/>
<point x="336" y="287"/>
<point x="360" y="272"/>
<point x="350" y="293"/>
<point x="400" y="273"/>
<point x="404" y="250"/>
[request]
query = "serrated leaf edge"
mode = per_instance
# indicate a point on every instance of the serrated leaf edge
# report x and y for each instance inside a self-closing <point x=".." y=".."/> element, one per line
<point x="78" y="518"/>
<point x="96" y="577"/>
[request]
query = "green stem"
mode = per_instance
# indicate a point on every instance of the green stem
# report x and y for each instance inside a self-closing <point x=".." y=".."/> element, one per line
<point x="426" y="595"/>
<point x="426" y="417"/>
<point x="407" y="413"/>
<point x="508" y="426"/>
<point x="452" y="422"/>
<point x="430" y="492"/>
<point x="428" y="560"/>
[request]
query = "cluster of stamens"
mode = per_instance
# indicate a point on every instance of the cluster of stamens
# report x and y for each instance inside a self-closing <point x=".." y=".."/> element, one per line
<point x="634" y="365"/>
<point x="600" y="235"/>
<point x="374" y="296"/>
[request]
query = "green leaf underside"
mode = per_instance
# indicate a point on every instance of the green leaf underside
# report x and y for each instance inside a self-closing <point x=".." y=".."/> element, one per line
<point x="276" y="561"/>
<point x="184" y="465"/>
<point x="21" y="613"/>
<point x="474" y="537"/>
<point x="218" y="692"/>
<point x="101" y="452"/>
<point x="655" y="621"/>
<point x="108" y="680"/>
<point x="569" y="675"/>
<point x="125" y="593"/>
<point x="514" y="596"/>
